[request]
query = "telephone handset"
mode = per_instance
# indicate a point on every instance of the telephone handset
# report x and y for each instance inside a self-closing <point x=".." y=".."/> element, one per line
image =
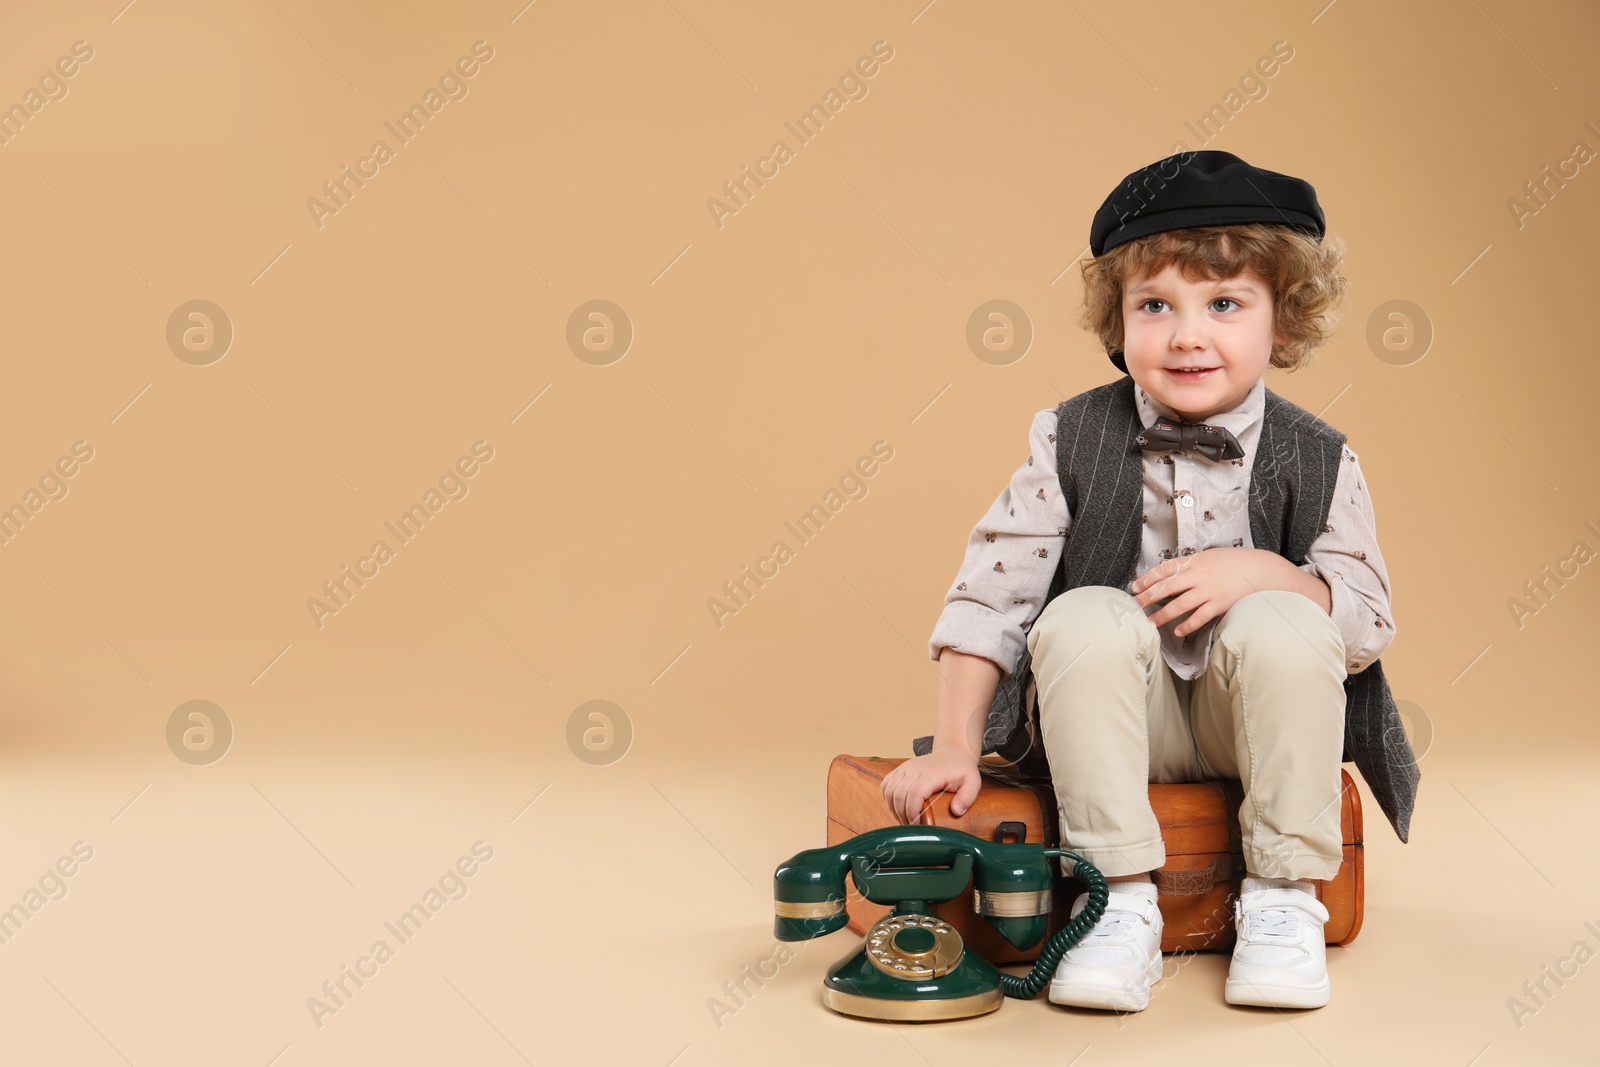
<point x="913" y="966"/>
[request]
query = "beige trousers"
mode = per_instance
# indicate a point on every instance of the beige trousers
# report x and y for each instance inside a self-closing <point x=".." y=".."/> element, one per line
<point x="1268" y="711"/>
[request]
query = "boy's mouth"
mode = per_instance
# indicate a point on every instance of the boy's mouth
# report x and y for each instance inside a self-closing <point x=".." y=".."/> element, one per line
<point x="1191" y="375"/>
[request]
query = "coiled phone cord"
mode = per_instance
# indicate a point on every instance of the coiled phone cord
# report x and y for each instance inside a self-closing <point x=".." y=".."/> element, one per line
<point x="1044" y="968"/>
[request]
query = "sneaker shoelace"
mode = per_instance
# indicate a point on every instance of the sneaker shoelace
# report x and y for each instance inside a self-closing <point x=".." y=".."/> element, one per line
<point x="1114" y="923"/>
<point x="1274" y="922"/>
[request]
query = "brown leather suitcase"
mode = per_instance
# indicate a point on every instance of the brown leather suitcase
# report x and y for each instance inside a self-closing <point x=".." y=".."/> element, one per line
<point x="1197" y="885"/>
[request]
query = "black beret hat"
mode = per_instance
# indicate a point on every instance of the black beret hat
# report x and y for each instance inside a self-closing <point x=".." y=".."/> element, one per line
<point x="1207" y="188"/>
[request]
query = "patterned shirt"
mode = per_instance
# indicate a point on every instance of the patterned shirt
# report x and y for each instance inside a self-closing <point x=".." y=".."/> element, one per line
<point x="1191" y="503"/>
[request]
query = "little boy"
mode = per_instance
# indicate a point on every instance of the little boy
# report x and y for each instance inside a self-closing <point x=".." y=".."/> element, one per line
<point x="1182" y="583"/>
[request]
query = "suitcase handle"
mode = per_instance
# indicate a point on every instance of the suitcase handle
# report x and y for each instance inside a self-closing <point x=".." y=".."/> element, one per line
<point x="1193" y="883"/>
<point x="1010" y="827"/>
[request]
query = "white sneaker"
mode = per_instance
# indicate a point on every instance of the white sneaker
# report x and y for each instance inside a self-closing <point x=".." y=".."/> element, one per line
<point x="1117" y="961"/>
<point x="1280" y="957"/>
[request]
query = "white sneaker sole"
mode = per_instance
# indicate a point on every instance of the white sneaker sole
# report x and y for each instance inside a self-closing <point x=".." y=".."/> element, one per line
<point x="1267" y="995"/>
<point x="1080" y="994"/>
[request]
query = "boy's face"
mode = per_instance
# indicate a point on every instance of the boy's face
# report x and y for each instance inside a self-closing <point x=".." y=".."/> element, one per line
<point x="1169" y="322"/>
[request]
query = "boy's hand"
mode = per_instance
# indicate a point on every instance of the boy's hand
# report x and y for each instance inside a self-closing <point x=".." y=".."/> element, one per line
<point x="908" y="787"/>
<point x="1208" y="583"/>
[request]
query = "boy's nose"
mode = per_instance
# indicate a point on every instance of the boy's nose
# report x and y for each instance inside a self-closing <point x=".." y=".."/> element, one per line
<point x="1188" y="331"/>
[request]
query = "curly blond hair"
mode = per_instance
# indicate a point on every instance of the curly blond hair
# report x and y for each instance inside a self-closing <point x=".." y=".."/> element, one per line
<point x="1304" y="276"/>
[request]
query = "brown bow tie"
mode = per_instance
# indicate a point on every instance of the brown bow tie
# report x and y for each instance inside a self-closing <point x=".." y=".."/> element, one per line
<point x="1215" y="442"/>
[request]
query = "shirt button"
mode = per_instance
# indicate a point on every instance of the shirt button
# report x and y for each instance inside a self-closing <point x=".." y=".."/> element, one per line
<point x="1187" y="500"/>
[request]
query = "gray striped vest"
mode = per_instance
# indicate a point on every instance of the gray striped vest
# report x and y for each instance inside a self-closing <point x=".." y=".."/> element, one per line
<point x="1291" y="490"/>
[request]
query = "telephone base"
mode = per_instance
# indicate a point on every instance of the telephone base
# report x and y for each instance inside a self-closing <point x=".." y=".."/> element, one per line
<point x="911" y="1011"/>
<point x="859" y="987"/>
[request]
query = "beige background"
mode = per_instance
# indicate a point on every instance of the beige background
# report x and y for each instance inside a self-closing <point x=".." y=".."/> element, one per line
<point x="769" y="354"/>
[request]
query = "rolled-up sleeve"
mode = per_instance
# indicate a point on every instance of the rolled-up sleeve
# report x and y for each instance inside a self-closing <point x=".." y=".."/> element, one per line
<point x="1346" y="556"/>
<point x="1012" y="553"/>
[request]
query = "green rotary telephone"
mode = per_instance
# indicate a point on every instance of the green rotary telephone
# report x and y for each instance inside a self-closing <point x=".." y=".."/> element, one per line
<point x="912" y="966"/>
